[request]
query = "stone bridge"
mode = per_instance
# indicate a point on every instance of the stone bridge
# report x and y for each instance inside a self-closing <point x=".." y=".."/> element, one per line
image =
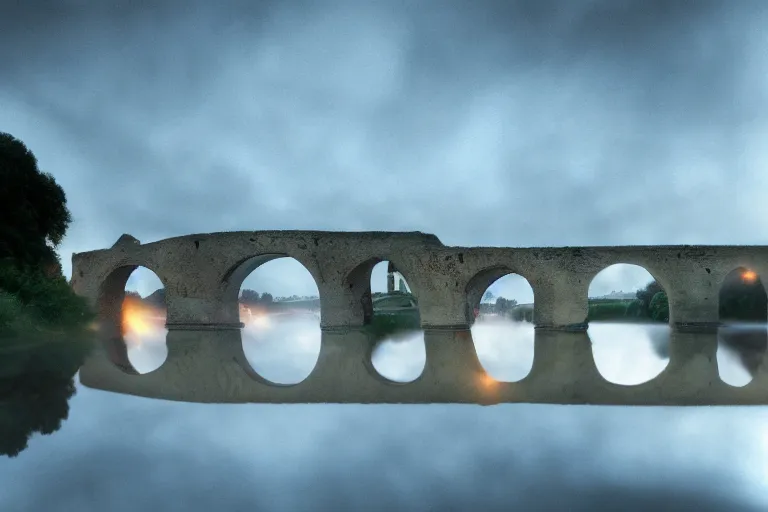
<point x="203" y="273"/>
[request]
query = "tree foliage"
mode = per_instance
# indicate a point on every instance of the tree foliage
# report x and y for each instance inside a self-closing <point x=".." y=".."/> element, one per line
<point x="659" y="307"/>
<point x="502" y="305"/>
<point x="646" y="295"/>
<point x="253" y="297"/>
<point x="33" y="207"/>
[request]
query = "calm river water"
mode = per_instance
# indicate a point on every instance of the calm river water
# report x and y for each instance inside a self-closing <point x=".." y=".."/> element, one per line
<point x="122" y="453"/>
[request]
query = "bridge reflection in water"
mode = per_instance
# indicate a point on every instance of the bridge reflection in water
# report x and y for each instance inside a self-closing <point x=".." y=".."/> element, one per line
<point x="216" y="366"/>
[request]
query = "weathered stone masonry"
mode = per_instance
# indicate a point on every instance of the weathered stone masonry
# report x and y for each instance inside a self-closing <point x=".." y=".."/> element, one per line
<point x="203" y="273"/>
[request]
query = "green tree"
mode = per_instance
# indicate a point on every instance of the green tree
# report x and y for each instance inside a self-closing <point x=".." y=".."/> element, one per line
<point x="504" y="305"/>
<point x="33" y="208"/>
<point x="659" y="307"/>
<point x="646" y="294"/>
<point x="635" y="309"/>
<point x="249" y="296"/>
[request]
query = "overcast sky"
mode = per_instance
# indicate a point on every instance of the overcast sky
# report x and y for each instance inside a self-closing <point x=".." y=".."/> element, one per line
<point x="486" y="123"/>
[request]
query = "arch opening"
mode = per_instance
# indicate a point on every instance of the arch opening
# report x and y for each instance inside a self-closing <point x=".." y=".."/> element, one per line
<point x="628" y="315"/>
<point x="742" y="336"/>
<point x="132" y="314"/>
<point x="279" y="305"/>
<point x="501" y="319"/>
<point x="392" y="319"/>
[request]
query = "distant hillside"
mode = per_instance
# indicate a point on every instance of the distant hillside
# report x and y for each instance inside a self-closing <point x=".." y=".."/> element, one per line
<point x="618" y="296"/>
<point x="156" y="298"/>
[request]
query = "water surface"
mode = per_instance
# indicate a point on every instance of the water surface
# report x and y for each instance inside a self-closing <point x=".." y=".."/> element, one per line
<point x="120" y="452"/>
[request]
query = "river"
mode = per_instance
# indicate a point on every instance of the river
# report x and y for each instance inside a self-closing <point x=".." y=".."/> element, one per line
<point x="123" y="453"/>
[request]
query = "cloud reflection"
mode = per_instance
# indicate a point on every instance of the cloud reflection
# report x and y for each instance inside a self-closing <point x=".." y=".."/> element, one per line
<point x="178" y="456"/>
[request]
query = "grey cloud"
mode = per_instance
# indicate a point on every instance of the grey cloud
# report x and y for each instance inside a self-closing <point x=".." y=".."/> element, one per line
<point x="497" y="123"/>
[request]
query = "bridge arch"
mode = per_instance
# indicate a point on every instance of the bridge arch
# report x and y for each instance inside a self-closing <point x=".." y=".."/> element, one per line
<point x="742" y="336"/>
<point x="110" y="307"/>
<point x="503" y="333"/>
<point x="281" y="337"/>
<point x="629" y="328"/>
<point x="235" y="275"/>
<point x="357" y="285"/>
<point x="398" y="352"/>
<point x="479" y="283"/>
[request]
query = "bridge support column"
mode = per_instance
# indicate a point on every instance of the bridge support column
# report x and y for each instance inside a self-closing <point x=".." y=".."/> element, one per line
<point x="203" y="312"/>
<point x="444" y="308"/>
<point x="694" y="302"/>
<point x="344" y="307"/>
<point x="560" y="301"/>
<point x="694" y="321"/>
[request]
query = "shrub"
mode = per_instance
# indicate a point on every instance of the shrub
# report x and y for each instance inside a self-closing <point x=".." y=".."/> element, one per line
<point x="636" y="309"/>
<point x="607" y="311"/>
<point x="47" y="302"/>
<point x="659" y="307"/>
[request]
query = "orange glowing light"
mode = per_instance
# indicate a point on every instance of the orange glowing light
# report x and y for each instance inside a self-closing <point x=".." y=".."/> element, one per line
<point x="488" y="381"/>
<point x="139" y="319"/>
<point x="749" y="276"/>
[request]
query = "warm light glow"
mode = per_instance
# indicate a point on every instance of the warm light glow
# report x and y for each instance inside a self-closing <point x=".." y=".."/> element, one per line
<point x="488" y="381"/>
<point x="749" y="276"/>
<point x="140" y="320"/>
<point x="260" y="320"/>
<point x="245" y="314"/>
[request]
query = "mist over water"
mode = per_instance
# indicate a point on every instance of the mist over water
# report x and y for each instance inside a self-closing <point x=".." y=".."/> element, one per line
<point x="285" y="350"/>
